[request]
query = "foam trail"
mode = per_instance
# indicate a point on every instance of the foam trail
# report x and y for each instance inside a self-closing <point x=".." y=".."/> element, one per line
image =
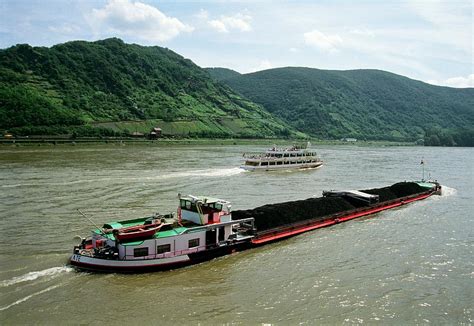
<point x="169" y="175"/>
<point x="31" y="276"/>
<point x="217" y="172"/>
<point x="448" y="191"/>
<point x="28" y="297"/>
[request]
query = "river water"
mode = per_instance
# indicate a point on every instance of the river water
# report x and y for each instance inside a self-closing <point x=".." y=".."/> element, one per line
<point x="412" y="265"/>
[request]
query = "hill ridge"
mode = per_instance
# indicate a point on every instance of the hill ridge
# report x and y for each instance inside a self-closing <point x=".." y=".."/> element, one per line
<point x="361" y="103"/>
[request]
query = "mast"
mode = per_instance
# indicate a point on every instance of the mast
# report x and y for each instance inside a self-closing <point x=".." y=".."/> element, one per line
<point x="423" y="169"/>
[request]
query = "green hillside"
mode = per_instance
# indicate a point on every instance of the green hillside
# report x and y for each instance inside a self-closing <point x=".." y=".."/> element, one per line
<point x="222" y="73"/>
<point x="109" y="87"/>
<point x="363" y="104"/>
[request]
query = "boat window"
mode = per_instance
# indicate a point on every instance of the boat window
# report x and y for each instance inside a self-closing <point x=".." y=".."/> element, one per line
<point x="293" y="155"/>
<point x="193" y="243"/>
<point x="140" y="252"/>
<point x="272" y="163"/>
<point x="161" y="249"/>
<point x="264" y="163"/>
<point x="188" y="205"/>
<point x="218" y="207"/>
<point x="279" y="162"/>
<point x="251" y="163"/>
<point x="293" y="162"/>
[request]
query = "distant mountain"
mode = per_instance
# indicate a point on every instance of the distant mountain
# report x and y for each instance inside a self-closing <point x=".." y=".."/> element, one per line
<point x="121" y="88"/>
<point x="367" y="104"/>
<point x="222" y="73"/>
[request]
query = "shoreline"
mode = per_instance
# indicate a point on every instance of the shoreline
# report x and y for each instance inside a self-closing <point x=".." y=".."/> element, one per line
<point x="170" y="142"/>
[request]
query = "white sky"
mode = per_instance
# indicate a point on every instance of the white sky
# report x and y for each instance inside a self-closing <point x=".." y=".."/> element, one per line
<point x="426" y="40"/>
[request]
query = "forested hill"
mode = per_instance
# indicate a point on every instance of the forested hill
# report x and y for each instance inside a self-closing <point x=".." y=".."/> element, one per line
<point x="121" y="88"/>
<point x="222" y="73"/>
<point x="370" y="104"/>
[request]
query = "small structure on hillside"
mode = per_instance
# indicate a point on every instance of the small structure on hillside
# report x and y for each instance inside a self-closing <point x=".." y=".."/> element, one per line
<point x="155" y="133"/>
<point x="137" y="134"/>
<point x="350" y="140"/>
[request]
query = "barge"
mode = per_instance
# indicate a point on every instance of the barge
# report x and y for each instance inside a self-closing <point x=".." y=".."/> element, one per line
<point x="205" y="227"/>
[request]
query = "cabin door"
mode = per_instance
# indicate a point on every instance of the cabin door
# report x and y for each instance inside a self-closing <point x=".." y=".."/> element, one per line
<point x="211" y="237"/>
<point x="221" y="233"/>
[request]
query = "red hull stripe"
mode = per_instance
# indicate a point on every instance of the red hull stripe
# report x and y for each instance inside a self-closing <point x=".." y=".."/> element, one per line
<point x="321" y="224"/>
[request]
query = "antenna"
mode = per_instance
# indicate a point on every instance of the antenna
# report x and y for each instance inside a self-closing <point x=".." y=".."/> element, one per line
<point x="423" y="168"/>
<point x="92" y="222"/>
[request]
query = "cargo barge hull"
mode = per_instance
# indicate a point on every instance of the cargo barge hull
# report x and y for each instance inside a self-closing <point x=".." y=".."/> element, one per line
<point x="206" y="228"/>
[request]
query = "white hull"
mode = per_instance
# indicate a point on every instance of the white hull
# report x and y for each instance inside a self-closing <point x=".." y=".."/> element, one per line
<point x="109" y="264"/>
<point x="282" y="167"/>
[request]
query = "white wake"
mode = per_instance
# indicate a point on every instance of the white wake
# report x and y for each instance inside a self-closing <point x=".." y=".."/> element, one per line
<point x="225" y="172"/>
<point x="448" y="191"/>
<point x="28" y="297"/>
<point x="31" y="276"/>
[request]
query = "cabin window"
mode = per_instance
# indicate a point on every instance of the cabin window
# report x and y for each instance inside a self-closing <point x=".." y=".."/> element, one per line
<point x="272" y="163"/>
<point x="293" y="162"/>
<point x="279" y="163"/>
<point x="161" y="249"/>
<point x="218" y="207"/>
<point x="188" y="205"/>
<point x="193" y="243"/>
<point x="140" y="252"/>
<point x="264" y="163"/>
<point x="251" y="163"/>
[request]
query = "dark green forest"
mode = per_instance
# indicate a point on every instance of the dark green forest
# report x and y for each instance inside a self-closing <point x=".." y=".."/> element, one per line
<point x="362" y="104"/>
<point x="89" y="88"/>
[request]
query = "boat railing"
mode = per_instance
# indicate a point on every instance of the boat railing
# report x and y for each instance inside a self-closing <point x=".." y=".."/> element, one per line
<point x="274" y="158"/>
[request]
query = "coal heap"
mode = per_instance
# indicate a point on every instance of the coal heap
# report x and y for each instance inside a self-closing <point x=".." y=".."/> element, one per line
<point x="395" y="191"/>
<point x="275" y="215"/>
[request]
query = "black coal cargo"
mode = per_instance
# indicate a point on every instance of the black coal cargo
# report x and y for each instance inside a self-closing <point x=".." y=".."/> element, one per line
<point x="275" y="215"/>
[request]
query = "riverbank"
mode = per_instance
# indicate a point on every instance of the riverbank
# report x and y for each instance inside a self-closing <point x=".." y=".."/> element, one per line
<point x="184" y="141"/>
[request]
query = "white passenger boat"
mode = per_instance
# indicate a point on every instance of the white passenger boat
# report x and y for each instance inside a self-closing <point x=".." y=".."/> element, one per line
<point x="294" y="157"/>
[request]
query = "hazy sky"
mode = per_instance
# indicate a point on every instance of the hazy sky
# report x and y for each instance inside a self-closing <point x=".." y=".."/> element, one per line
<point x="428" y="40"/>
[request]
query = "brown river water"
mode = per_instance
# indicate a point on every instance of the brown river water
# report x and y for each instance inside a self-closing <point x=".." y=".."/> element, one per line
<point x="410" y="265"/>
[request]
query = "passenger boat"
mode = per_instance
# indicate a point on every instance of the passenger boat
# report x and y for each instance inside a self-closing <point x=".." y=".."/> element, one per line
<point x="205" y="227"/>
<point x="295" y="157"/>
